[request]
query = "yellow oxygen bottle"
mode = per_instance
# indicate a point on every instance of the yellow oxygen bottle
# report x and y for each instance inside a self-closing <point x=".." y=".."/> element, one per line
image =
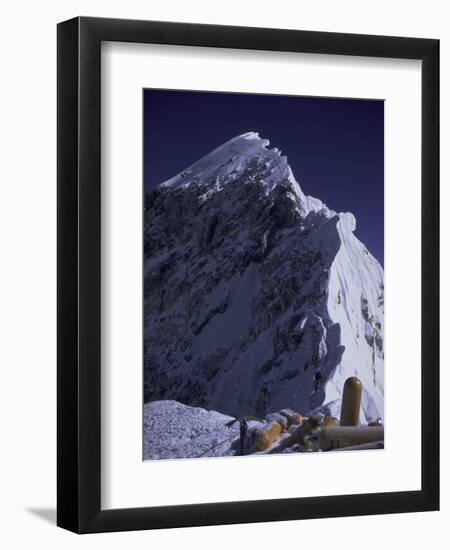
<point x="351" y="402"/>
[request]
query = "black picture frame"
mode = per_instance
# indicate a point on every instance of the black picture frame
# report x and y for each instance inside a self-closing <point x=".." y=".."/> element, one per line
<point x="79" y="281"/>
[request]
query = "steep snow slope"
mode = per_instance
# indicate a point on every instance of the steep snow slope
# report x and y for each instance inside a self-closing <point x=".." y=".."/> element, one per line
<point x="257" y="297"/>
<point x="356" y="302"/>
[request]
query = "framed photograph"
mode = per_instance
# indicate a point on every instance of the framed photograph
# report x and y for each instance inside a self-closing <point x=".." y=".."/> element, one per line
<point x="248" y="289"/>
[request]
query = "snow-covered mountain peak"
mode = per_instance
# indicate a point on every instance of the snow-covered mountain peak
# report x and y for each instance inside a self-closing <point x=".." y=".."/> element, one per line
<point x="246" y="157"/>
<point x="257" y="297"/>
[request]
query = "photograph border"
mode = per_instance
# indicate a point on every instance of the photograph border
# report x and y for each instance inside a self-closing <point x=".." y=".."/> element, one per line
<point x="79" y="275"/>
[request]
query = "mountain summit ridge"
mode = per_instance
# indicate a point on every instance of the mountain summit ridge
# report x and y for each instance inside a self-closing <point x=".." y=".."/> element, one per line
<point x="257" y="296"/>
<point x="223" y="163"/>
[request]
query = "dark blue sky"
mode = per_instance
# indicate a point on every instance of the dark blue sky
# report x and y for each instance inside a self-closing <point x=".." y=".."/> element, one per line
<point x="335" y="147"/>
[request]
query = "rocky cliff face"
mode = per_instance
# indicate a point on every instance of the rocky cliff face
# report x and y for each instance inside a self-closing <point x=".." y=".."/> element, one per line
<point x="257" y="297"/>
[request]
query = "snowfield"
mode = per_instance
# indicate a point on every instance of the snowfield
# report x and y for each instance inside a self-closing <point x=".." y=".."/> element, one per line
<point x="173" y="430"/>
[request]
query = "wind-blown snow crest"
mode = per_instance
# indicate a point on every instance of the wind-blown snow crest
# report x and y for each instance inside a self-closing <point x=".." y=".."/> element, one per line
<point x="257" y="297"/>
